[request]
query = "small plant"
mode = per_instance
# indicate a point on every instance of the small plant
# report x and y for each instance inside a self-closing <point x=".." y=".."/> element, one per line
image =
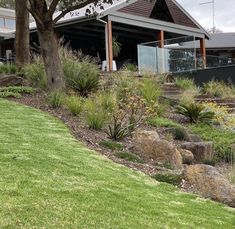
<point x="219" y="89"/>
<point x="107" y="100"/>
<point x="173" y="179"/>
<point x="8" y="69"/>
<point x="117" y="47"/>
<point x="35" y="73"/>
<point x="196" y="113"/>
<point x="82" y="78"/>
<point x="211" y="162"/>
<point x="117" y="129"/>
<point x="95" y="114"/>
<point x="15" y="91"/>
<point x="184" y="83"/>
<point x="74" y="104"/>
<point x="130" y="67"/>
<point x="180" y="133"/>
<point x="111" y="145"/>
<point x="56" y="98"/>
<point x="150" y="91"/>
<point x="129" y="156"/>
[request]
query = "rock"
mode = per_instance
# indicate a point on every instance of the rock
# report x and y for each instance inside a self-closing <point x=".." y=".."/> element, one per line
<point x="200" y="150"/>
<point x="194" y="138"/>
<point x="209" y="183"/>
<point x="10" y="80"/>
<point x="149" y="146"/>
<point x="187" y="156"/>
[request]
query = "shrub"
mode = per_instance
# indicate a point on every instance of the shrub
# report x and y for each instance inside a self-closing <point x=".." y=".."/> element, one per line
<point x="56" y="98"/>
<point x="107" y="100"/>
<point x="184" y="83"/>
<point x="129" y="156"/>
<point x="74" y="104"/>
<point x="35" y="73"/>
<point x="130" y="67"/>
<point x="111" y="145"/>
<point x="188" y="95"/>
<point x="162" y="122"/>
<point x="8" y="69"/>
<point x="173" y="179"/>
<point x="150" y="91"/>
<point x="180" y="133"/>
<point x="82" y="77"/>
<point x="222" y="140"/>
<point x="196" y="113"/>
<point x="118" y="128"/>
<point x="15" y="91"/>
<point x="219" y="89"/>
<point x="222" y="115"/>
<point x="95" y="114"/>
<point x="211" y="162"/>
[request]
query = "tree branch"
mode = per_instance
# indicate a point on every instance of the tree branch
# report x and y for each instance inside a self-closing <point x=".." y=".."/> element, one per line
<point x="72" y="8"/>
<point x="52" y="8"/>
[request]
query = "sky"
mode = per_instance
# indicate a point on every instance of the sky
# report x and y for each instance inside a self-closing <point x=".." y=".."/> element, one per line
<point x="224" y="13"/>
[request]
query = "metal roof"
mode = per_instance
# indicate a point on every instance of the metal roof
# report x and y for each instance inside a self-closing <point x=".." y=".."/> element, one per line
<point x="217" y="41"/>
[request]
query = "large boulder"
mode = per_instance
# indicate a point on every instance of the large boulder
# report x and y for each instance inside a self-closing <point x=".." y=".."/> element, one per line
<point x="187" y="156"/>
<point x="10" y="80"/>
<point x="200" y="150"/>
<point x="209" y="183"/>
<point x="149" y="146"/>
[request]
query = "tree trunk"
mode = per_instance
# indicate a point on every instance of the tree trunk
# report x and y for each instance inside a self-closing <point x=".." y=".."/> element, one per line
<point x="22" y="33"/>
<point x="50" y="53"/>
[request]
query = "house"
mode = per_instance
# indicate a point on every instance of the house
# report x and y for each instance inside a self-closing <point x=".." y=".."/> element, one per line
<point x="132" y="22"/>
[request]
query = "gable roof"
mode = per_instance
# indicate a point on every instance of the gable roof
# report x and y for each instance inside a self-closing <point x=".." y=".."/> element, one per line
<point x="177" y="14"/>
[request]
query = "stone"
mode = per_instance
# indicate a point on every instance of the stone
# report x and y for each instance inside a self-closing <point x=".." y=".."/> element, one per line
<point x="149" y="146"/>
<point x="187" y="156"/>
<point x="200" y="150"/>
<point x="208" y="182"/>
<point x="194" y="138"/>
<point x="10" y="80"/>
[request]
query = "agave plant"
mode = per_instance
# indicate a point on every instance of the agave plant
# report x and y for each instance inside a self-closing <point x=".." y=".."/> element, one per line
<point x="196" y="113"/>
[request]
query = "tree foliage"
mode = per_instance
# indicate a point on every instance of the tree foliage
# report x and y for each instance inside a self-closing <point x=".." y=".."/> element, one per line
<point x="7" y="4"/>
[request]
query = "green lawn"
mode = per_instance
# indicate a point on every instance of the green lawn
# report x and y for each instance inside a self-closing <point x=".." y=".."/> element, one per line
<point x="49" y="180"/>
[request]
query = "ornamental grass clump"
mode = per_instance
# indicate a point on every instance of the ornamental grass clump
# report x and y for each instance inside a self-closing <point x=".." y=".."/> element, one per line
<point x="35" y="73"/>
<point x="219" y="89"/>
<point x="74" y="104"/>
<point x="56" y="98"/>
<point x="95" y="115"/>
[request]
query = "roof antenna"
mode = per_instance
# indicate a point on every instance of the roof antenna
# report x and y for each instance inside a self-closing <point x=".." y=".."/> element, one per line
<point x="213" y="10"/>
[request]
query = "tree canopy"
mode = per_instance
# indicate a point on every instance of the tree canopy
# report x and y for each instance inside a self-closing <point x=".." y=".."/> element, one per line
<point x="7" y="4"/>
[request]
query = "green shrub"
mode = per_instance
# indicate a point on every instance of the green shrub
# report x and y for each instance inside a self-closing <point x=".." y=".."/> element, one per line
<point x="56" y="98"/>
<point x="74" y="104"/>
<point x="162" y="122"/>
<point x="130" y="67"/>
<point x="15" y="91"/>
<point x="118" y="128"/>
<point x="8" y="69"/>
<point x="111" y="145"/>
<point x="184" y="83"/>
<point x="222" y="140"/>
<point x="81" y="77"/>
<point x="173" y="179"/>
<point x="180" y="133"/>
<point x="219" y="89"/>
<point x="35" y="73"/>
<point x="95" y="114"/>
<point x="150" y="91"/>
<point x="129" y="156"/>
<point x="211" y="162"/>
<point x="196" y="113"/>
<point x="107" y="100"/>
